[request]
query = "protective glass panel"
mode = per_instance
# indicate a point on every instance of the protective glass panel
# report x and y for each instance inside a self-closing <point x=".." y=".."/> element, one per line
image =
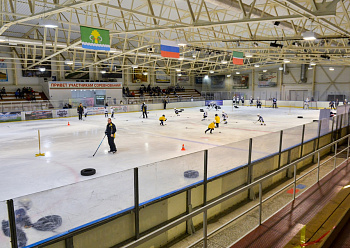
<point x="228" y="157"/>
<point x="326" y="126"/>
<point x="311" y="131"/>
<point x="5" y="241"/>
<point x="164" y="177"/>
<point x="265" y="145"/>
<point x="45" y="214"/>
<point x="292" y="137"/>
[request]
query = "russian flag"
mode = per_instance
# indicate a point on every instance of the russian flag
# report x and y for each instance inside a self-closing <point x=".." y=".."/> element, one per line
<point x="169" y="49"/>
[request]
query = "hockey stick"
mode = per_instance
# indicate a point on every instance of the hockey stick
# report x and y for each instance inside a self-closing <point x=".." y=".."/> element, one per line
<point x="100" y="144"/>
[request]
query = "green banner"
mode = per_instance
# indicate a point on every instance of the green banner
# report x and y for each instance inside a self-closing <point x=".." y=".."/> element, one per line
<point x="95" y="39"/>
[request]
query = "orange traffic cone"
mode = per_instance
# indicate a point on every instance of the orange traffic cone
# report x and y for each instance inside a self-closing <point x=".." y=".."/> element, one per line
<point x="183" y="148"/>
<point x="68" y="124"/>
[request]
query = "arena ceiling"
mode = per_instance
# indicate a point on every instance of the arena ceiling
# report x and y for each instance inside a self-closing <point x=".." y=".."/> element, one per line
<point x="211" y="30"/>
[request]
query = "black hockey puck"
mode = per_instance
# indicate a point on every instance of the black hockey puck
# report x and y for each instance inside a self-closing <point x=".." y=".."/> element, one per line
<point x="88" y="172"/>
<point x="300" y="116"/>
<point x="191" y="174"/>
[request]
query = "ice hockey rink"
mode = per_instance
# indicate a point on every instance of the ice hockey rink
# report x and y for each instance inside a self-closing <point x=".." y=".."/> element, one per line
<point x="50" y="181"/>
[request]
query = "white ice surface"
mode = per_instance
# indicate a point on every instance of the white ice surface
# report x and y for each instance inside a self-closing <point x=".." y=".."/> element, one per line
<point x="68" y="149"/>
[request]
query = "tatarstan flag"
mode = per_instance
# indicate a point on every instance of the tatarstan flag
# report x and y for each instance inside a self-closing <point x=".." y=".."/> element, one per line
<point x="237" y="58"/>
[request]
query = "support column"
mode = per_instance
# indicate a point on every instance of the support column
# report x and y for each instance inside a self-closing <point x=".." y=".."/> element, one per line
<point x="15" y="79"/>
<point x="253" y="82"/>
<point x="313" y="83"/>
<point x="281" y="80"/>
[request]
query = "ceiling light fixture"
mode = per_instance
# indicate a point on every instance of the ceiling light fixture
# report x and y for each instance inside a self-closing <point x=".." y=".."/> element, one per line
<point x="237" y="72"/>
<point x="264" y="70"/>
<point x="331" y="68"/>
<point x="228" y="75"/>
<point x="103" y="72"/>
<point x="249" y="55"/>
<point x="42" y="69"/>
<point x="280" y="68"/>
<point x="178" y="69"/>
<point x="312" y="63"/>
<point x="206" y="77"/>
<point x="223" y="61"/>
<point x="256" y="65"/>
<point x="211" y="71"/>
<point x="179" y="74"/>
<point x="145" y="73"/>
<point x="286" y="60"/>
<point x="48" y="23"/>
<point x="309" y="35"/>
<point x="69" y="62"/>
<point x="135" y="66"/>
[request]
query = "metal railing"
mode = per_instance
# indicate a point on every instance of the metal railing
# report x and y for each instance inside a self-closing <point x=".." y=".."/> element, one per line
<point x="59" y="104"/>
<point x="25" y="105"/>
<point x="293" y="165"/>
<point x="159" y="99"/>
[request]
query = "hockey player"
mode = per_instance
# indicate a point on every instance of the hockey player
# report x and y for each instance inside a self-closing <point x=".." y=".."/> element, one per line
<point x="306" y="103"/>
<point x="331" y="105"/>
<point x="144" y="110"/>
<point x="106" y="112"/>
<point x="162" y="119"/>
<point x="110" y="132"/>
<point x="80" y="111"/>
<point x="211" y="127"/>
<point x="258" y="103"/>
<point x="112" y="113"/>
<point x="242" y="100"/>
<point x="261" y="120"/>
<point x="224" y="117"/>
<point x="205" y="115"/>
<point x="85" y="112"/>
<point x="274" y="103"/>
<point x="177" y="112"/>
<point x="217" y="120"/>
<point x="251" y="100"/>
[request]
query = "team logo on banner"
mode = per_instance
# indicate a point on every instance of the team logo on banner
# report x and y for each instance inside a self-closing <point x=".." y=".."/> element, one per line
<point x="95" y="39"/>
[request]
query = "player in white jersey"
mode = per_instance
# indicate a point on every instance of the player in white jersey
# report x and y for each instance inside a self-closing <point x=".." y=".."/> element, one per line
<point x="224" y="117"/>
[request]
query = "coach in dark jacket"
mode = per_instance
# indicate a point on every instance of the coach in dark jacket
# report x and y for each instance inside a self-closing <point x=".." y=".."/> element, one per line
<point x="110" y="132"/>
